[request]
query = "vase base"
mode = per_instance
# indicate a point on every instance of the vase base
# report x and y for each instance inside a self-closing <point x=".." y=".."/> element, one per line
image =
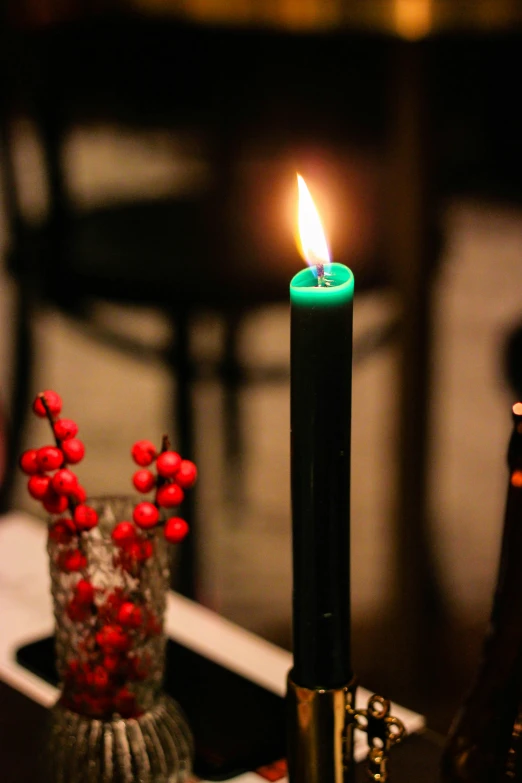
<point x="157" y="747"/>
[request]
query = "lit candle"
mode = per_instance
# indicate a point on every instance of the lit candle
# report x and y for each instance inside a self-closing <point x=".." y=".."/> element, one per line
<point x="321" y="299"/>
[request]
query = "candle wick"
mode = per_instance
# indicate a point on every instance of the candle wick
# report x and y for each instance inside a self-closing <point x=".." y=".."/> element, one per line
<point x="322" y="279"/>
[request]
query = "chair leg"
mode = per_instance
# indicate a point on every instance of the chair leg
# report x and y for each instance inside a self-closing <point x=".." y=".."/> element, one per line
<point x="20" y="392"/>
<point x="420" y="608"/>
<point x="231" y="375"/>
<point x="186" y="574"/>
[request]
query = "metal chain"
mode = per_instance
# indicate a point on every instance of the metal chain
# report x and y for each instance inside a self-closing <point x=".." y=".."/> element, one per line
<point x="383" y="731"/>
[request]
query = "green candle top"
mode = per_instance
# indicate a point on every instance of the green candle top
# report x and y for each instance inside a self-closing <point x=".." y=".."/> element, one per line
<point x="305" y="291"/>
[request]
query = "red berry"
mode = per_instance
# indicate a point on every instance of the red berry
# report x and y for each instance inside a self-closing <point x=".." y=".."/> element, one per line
<point x="85" y="517"/>
<point x="100" y="678"/>
<point x="77" y="612"/>
<point x="130" y="615"/>
<point x="133" y="551"/>
<point x="53" y="503"/>
<point x="145" y="514"/>
<point x="123" y="533"/>
<point x="112" y="638"/>
<point x="153" y="626"/>
<point x="73" y="450"/>
<point x="62" y="531"/>
<point x="168" y="463"/>
<point x="143" y="453"/>
<point x="144" y="480"/>
<point x="112" y="663"/>
<point x="95" y="706"/>
<point x="49" y="458"/>
<point x="108" y="611"/>
<point x="73" y="672"/>
<point x="125" y="702"/>
<point x="29" y="462"/>
<point x="117" y="597"/>
<point x="138" y="667"/>
<point x="169" y="495"/>
<point x="38" y="486"/>
<point x="130" y="557"/>
<point x="127" y="562"/>
<point x="54" y="403"/>
<point x="187" y="474"/>
<point x="64" y="482"/>
<point x="146" y="550"/>
<point x="59" y="534"/>
<point x="175" y="530"/>
<point x="72" y="560"/>
<point x="79" y="494"/>
<point x="65" y="429"/>
<point x="84" y="592"/>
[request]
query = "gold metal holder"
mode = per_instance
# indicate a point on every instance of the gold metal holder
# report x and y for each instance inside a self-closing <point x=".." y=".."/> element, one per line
<point x="320" y="734"/>
<point x="321" y="725"/>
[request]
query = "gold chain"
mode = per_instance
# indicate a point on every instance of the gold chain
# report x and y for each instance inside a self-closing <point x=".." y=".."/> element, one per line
<point x="383" y="731"/>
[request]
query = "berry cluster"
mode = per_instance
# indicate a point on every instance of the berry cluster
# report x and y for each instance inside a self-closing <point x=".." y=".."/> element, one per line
<point x="173" y="476"/>
<point x="133" y="548"/>
<point x="55" y="485"/>
<point x="111" y="625"/>
<point x="112" y="658"/>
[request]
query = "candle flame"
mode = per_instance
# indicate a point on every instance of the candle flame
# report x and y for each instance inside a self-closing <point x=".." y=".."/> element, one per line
<point x="312" y="241"/>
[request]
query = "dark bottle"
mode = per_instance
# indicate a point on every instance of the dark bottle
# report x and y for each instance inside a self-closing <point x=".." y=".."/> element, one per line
<point x="485" y="740"/>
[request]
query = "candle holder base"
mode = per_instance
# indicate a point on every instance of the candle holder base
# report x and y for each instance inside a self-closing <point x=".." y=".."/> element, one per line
<point x="321" y="725"/>
<point x="320" y="733"/>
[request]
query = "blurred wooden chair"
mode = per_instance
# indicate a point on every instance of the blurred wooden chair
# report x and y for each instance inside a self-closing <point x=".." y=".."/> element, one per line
<point x="180" y="254"/>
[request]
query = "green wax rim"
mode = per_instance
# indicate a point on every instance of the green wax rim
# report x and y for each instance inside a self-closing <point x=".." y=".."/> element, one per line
<point x="305" y="291"/>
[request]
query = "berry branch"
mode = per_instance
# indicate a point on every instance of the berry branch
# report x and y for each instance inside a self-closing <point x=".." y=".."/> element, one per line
<point x="161" y="480"/>
<point x="173" y="476"/>
<point x="112" y="625"/>
<point x="50" y="416"/>
<point x="165" y="443"/>
<point x="66" y="480"/>
<point x="55" y="485"/>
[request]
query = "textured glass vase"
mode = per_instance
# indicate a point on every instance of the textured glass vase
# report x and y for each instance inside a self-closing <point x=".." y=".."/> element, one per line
<point x="112" y="722"/>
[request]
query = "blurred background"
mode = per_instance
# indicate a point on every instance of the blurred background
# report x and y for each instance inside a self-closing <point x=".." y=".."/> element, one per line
<point x="147" y="223"/>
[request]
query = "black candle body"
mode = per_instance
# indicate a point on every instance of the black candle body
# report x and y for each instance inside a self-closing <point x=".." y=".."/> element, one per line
<point x="321" y="381"/>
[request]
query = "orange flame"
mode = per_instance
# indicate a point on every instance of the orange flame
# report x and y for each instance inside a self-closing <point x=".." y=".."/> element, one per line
<point x="312" y="241"/>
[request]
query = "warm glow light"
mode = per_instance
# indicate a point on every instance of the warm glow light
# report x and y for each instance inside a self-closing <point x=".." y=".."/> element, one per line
<point x="516" y="479"/>
<point x="312" y="240"/>
<point x="413" y="18"/>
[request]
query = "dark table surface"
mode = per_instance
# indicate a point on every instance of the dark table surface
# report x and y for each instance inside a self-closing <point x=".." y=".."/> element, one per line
<point x="23" y="728"/>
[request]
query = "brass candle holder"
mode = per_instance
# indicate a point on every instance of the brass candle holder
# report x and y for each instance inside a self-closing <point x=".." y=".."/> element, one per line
<point x="321" y="727"/>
